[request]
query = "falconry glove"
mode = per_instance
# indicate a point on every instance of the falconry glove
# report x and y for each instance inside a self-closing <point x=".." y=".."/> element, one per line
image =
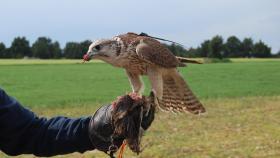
<point x="101" y="129"/>
<point x="110" y="125"/>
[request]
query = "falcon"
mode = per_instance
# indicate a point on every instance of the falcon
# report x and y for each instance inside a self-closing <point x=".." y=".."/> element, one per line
<point x="144" y="55"/>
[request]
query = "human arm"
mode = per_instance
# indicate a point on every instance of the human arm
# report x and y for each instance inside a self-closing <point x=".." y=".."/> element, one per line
<point x="23" y="132"/>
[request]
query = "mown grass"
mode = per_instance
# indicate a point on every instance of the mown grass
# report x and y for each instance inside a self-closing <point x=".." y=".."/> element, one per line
<point x="54" y="85"/>
<point x="242" y="100"/>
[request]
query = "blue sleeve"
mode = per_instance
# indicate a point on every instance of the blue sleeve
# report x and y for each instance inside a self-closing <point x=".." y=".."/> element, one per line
<point x="22" y="132"/>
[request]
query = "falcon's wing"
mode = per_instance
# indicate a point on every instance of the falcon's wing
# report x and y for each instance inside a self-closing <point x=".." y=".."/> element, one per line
<point x="177" y="95"/>
<point x="154" y="52"/>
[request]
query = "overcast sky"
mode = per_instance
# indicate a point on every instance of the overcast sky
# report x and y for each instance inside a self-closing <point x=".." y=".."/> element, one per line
<point x="183" y="21"/>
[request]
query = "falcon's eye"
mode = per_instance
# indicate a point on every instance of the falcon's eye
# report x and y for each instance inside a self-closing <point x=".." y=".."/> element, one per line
<point x="97" y="47"/>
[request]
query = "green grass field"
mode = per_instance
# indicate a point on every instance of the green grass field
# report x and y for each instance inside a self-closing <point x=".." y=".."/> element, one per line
<point x="242" y="99"/>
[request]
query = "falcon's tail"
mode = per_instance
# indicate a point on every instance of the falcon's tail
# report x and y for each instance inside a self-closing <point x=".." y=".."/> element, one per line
<point x="177" y="96"/>
<point x="186" y="60"/>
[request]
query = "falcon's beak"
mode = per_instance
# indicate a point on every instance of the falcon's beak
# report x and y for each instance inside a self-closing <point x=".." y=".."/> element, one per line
<point x="88" y="56"/>
<point x="94" y="54"/>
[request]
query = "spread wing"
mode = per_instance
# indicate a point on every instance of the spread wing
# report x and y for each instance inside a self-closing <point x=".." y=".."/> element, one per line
<point x="154" y="52"/>
<point x="177" y="95"/>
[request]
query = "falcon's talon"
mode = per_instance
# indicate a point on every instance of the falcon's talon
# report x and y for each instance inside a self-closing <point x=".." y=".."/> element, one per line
<point x="135" y="96"/>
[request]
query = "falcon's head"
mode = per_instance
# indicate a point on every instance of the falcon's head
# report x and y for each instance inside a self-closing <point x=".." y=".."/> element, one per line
<point x="106" y="50"/>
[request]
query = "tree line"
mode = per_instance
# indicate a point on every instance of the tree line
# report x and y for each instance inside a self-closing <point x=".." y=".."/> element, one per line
<point x="231" y="48"/>
<point x="45" y="48"/>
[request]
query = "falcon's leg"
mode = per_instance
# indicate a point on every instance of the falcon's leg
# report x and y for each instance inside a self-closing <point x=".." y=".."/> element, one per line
<point x="155" y="77"/>
<point x="156" y="80"/>
<point x="135" y="82"/>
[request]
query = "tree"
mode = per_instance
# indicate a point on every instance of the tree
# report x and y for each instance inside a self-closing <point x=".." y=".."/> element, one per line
<point x="84" y="46"/>
<point x="176" y="49"/>
<point x="20" y="48"/>
<point x="233" y="47"/>
<point x="216" y="47"/>
<point x="55" y="49"/>
<point x="180" y="51"/>
<point x="73" y="50"/>
<point x="247" y="47"/>
<point x="2" y="50"/>
<point x="204" y="50"/>
<point x="278" y="54"/>
<point x="193" y="52"/>
<point x="261" y="50"/>
<point x="43" y="48"/>
<point x="171" y="48"/>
